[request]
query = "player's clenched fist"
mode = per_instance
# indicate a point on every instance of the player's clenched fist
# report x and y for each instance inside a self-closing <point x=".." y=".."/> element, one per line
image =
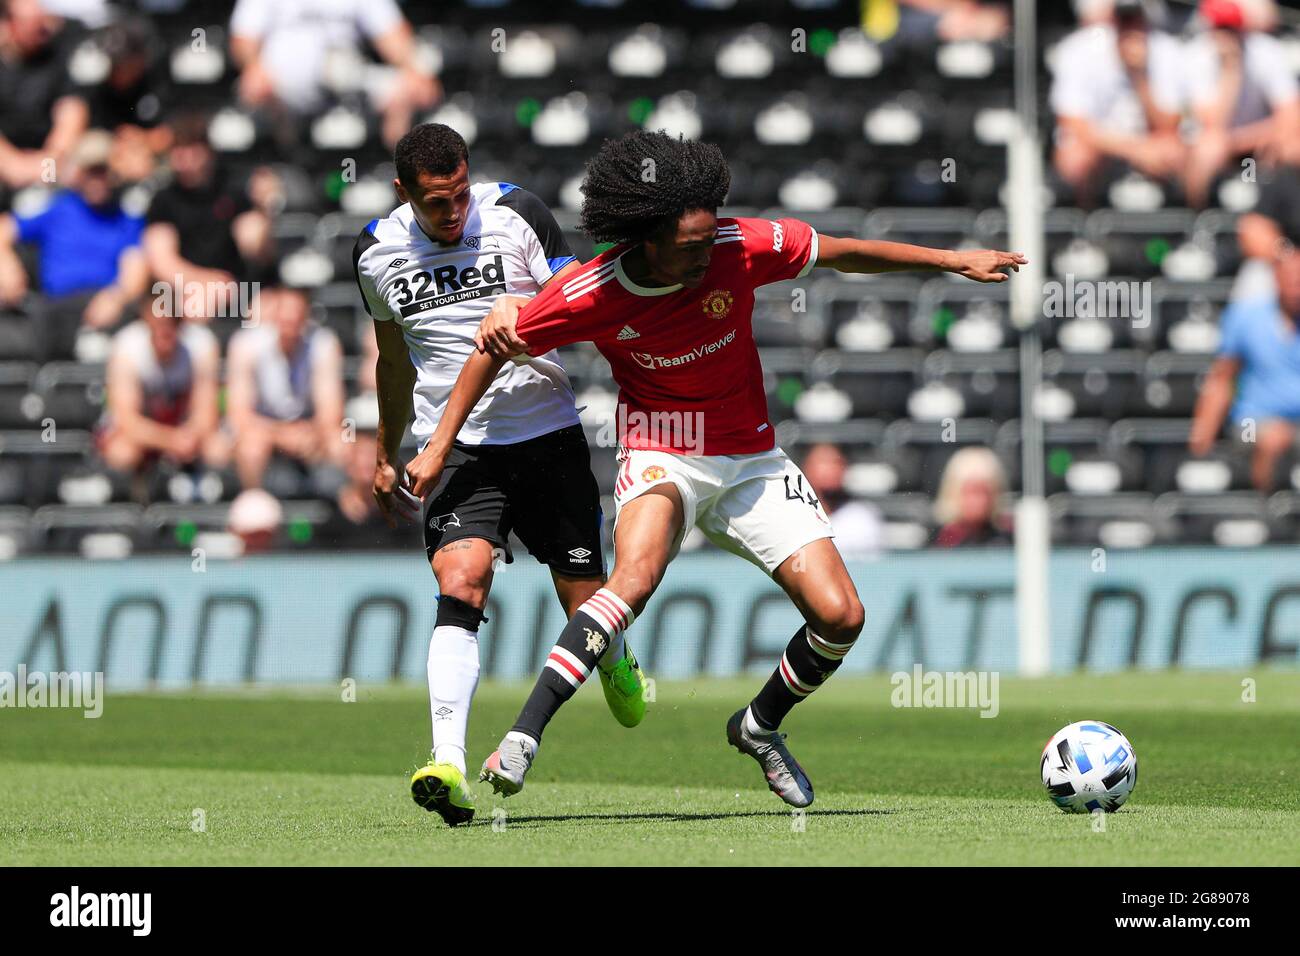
<point x="394" y="498"/>
<point x="424" y="470"/>
<point x="496" y="333"/>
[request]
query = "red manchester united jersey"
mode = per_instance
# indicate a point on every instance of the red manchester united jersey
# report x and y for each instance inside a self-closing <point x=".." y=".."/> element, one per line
<point x="684" y="359"/>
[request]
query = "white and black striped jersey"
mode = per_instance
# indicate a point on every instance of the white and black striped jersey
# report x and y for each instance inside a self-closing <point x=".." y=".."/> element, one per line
<point x="439" y="294"/>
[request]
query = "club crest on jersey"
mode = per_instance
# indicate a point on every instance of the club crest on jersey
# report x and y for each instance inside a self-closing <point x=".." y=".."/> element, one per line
<point x="653" y="473"/>
<point x="717" y="303"/>
<point x="472" y="241"/>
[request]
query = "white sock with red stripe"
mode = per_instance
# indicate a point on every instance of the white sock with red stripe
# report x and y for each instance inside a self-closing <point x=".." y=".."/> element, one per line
<point x="597" y="626"/>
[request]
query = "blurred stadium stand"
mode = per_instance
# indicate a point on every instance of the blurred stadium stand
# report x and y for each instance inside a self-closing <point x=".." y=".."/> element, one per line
<point x="852" y="136"/>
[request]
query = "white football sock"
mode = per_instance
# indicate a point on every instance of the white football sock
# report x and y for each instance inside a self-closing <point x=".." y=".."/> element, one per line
<point x="530" y="744"/>
<point x="613" y="654"/>
<point x="453" y="677"/>
<point x="752" y="725"/>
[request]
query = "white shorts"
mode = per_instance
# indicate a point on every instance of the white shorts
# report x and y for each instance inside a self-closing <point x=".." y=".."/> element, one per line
<point x="758" y="506"/>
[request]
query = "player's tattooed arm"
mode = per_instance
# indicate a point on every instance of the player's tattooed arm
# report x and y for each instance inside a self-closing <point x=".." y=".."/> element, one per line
<point x="423" y="471"/>
<point x="875" y="255"/>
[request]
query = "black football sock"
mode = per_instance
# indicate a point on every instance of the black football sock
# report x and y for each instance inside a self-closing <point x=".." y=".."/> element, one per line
<point x="808" y="662"/>
<point x="595" y="625"/>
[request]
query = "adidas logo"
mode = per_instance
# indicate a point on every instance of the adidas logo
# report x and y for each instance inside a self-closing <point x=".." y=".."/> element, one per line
<point x="628" y="333"/>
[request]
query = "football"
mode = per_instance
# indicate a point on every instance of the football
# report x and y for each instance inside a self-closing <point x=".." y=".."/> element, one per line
<point x="1087" y="766"/>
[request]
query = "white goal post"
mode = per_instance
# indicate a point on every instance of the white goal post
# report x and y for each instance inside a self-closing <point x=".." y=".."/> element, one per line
<point x="1024" y="198"/>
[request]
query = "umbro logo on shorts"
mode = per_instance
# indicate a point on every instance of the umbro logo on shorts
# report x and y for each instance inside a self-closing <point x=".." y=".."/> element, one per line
<point x="628" y="333"/>
<point x="443" y="522"/>
<point x="397" y="263"/>
<point x="580" y="554"/>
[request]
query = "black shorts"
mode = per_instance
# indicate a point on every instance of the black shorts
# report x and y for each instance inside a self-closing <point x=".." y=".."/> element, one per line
<point x="542" y="489"/>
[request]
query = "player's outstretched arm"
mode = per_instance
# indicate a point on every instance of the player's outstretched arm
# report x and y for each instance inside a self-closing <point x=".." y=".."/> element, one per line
<point x="475" y="378"/>
<point x="877" y="255"/>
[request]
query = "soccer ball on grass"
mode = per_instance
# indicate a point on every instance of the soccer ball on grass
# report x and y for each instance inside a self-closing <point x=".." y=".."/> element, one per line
<point x="1089" y="766"/>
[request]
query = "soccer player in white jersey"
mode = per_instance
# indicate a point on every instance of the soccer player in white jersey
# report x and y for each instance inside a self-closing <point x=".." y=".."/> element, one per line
<point x="429" y="273"/>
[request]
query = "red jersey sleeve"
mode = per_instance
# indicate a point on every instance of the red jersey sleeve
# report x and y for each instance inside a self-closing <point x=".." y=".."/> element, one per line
<point x="778" y="249"/>
<point x="556" y="318"/>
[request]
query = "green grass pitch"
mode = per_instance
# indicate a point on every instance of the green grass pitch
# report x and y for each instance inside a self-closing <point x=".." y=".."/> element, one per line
<point x="301" y="777"/>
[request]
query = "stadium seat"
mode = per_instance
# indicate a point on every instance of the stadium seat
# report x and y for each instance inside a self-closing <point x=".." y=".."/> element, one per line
<point x="1125" y="520"/>
<point x="20" y="407"/>
<point x="988" y="382"/>
<point x="71" y="393"/>
<point x="877" y="384"/>
<point x="935" y="442"/>
<point x="1102" y="384"/>
<point x="1136" y="243"/>
<point x="1231" y="520"/>
<point x="98" y="531"/>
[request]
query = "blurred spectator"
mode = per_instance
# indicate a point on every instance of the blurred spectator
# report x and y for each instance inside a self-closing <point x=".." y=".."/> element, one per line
<point x="1259" y="14"/>
<point x="1262" y="232"/>
<point x="356" y="499"/>
<point x="1259" y="361"/>
<point x="1090" y="12"/>
<point x="366" y="380"/>
<point x="283" y="51"/>
<point x="162" y="392"/>
<point x="968" y="506"/>
<point x="88" y="251"/>
<point x="1117" y="94"/>
<point x="133" y="98"/>
<point x="859" y="530"/>
<point x="203" y="228"/>
<point x="955" y="20"/>
<point x="42" y="115"/>
<point x="255" y="518"/>
<point x="285" y="393"/>
<point x="93" y="14"/>
<point x="1244" y="96"/>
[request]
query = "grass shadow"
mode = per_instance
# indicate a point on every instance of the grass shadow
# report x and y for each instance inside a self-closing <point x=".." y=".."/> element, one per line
<point x="666" y="817"/>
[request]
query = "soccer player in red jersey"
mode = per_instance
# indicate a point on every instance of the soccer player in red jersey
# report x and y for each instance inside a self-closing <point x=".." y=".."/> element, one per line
<point x="670" y="307"/>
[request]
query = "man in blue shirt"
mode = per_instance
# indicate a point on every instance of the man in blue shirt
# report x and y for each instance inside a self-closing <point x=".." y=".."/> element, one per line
<point x="88" y="252"/>
<point x="1256" y="375"/>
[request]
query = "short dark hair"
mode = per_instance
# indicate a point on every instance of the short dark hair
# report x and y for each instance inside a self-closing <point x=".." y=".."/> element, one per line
<point x="642" y="182"/>
<point x="189" y="128"/>
<point x="429" y="148"/>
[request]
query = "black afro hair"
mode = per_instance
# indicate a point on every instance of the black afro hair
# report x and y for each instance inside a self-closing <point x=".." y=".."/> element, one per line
<point x="638" y="184"/>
